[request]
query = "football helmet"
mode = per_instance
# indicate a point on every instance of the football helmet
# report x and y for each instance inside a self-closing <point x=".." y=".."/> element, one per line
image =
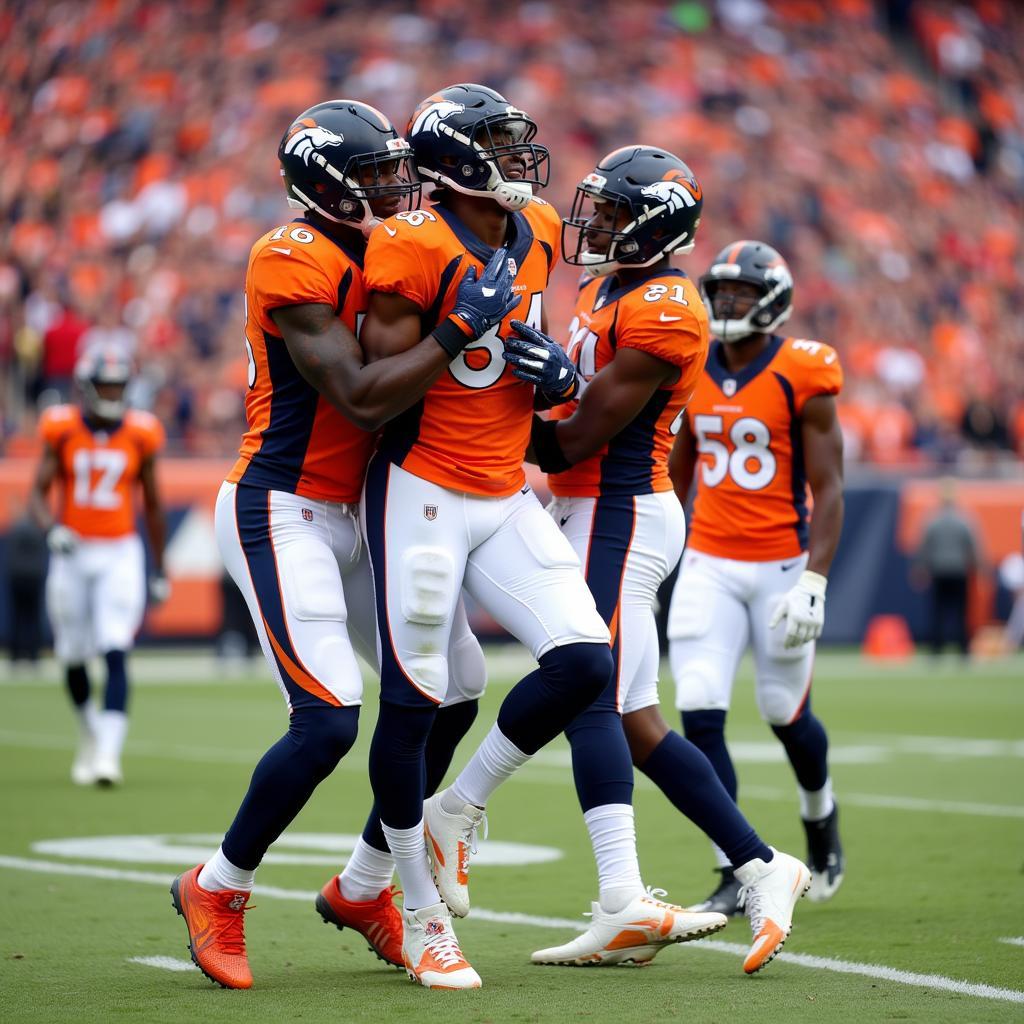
<point x="662" y="201"/>
<point x="755" y="263"/>
<point x="99" y="365"/>
<point x="463" y="135"/>
<point x="342" y="157"/>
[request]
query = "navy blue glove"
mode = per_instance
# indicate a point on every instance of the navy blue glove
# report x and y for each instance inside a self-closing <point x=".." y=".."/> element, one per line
<point x="479" y="304"/>
<point x="539" y="360"/>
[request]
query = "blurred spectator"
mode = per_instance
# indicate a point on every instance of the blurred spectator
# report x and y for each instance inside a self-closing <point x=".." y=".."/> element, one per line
<point x="26" y="574"/>
<point x="947" y="557"/>
<point x="61" y="349"/>
<point x="139" y="167"/>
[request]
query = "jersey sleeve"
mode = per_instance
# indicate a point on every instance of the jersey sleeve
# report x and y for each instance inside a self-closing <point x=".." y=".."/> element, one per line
<point x="54" y="423"/>
<point x="668" y="330"/>
<point x="289" y="275"/>
<point x="398" y="260"/>
<point x="149" y="431"/>
<point x="814" y="369"/>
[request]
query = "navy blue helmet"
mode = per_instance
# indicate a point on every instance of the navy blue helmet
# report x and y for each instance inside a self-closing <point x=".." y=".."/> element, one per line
<point x="471" y="139"/>
<point x="639" y="204"/>
<point x="755" y="263"/>
<point x="339" y="157"/>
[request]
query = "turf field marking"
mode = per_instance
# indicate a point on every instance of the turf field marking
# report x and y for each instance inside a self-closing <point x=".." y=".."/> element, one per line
<point x="821" y="963"/>
<point x="1017" y="940"/>
<point x="165" y="963"/>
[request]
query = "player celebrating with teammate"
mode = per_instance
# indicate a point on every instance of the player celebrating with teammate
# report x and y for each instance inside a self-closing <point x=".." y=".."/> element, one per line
<point x="95" y="588"/>
<point x="287" y="515"/>
<point x="640" y="339"/>
<point x="446" y="504"/>
<point x="761" y="426"/>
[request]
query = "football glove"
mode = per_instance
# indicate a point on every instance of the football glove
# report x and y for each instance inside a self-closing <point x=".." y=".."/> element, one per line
<point x="541" y="361"/>
<point x="61" y="540"/>
<point x="803" y="608"/>
<point x="480" y="304"/>
<point x="159" y="587"/>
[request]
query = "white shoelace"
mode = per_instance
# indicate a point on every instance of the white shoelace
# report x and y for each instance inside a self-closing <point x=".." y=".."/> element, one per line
<point x="469" y="834"/>
<point x="752" y="899"/>
<point x="445" y="948"/>
<point x="656" y="895"/>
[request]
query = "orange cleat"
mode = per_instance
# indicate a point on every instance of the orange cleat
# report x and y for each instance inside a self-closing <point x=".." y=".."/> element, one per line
<point x="216" y="935"/>
<point x="378" y="921"/>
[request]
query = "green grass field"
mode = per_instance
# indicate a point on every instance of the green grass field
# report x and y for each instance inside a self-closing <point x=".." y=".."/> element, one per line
<point x="928" y="764"/>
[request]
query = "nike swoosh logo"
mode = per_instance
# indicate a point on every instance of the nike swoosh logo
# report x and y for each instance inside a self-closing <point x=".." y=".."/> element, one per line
<point x="391" y="231"/>
<point x="786" y="568"/>
<point x="830" y="359"/>
<point x="668" y="319"/>
<point x="563" y="520"/>
<point x="283" y="252"/>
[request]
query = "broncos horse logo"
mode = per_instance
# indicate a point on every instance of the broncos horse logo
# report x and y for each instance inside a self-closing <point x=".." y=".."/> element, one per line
<point x="307" y="138"/>
<point x="430" y="117"/>
<point x="672" y="194"/>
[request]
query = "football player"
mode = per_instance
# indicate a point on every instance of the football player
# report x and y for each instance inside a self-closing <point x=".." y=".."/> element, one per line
<point x="761" y="426"/>
<point x="287" y="515"/>
<point x="446" y="503"/>
<point x="640" y="340"/>
<point x="96" y="587"/>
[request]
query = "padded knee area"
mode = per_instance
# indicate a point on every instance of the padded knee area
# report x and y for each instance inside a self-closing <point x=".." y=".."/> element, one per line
<point x="698" y="683"/>
<point x="324" y="734"/>
<point x="467" y="670"/>
<point x="580" y="669"/>
<point x="427" y="585"/>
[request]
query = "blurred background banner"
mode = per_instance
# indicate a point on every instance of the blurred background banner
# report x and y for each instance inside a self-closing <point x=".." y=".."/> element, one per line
<point x="879" y="146"/>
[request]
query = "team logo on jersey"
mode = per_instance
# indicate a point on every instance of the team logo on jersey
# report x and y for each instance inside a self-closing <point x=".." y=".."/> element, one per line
<point x="429" y="118"/>
<point x="430" y="512"/>
<point x="673" y="194"/>
<point x="308" y="138"/>
<point x="729" y="387"/>
<point x="307" y="514"/>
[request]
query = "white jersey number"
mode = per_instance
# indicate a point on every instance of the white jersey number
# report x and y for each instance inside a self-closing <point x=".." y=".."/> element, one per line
<point x="751" y="463"/>
<point x="471" y="370"/>
<point x="110" y="464"/>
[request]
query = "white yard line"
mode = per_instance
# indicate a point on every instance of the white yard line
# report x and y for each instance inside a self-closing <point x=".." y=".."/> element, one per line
<point x="1015" y="940"/>
<point x="165" y="963"/>
<point x="821" y="963"/>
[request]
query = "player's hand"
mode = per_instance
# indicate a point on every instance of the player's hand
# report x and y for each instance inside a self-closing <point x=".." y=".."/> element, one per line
<point x="61" y="540"/>
<point x="159" y="587"/>
<point x="541" y="361"/>
<point x="484" y="303"/>
<point x="803" y="608"/>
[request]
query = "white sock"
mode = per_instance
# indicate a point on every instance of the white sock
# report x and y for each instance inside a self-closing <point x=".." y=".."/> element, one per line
<point x="613" y="837"/>
<point x="219" y="873"/>
<point x="720" y="858"/>
<point x="817" y="804"/>
<point x="88" y="720"/>
<point x="494" y="761"/>
<point x="111" y="731"/>
<point x="410" y="853"/>
<point x="367" y="872"/>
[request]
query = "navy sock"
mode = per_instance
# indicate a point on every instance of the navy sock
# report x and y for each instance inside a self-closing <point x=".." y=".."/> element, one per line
<point x="688" y="779"/>
<point x="397" y="763"/>
<point x="115" y="697"/>
<point x="450" y="726"/>
<point x="317" y="739"/>
<point x="706" y="731"/>
<point x="601" y="764"/>
<point x="806" y="744"/>
<point x="79" y="688"/>
<point x="543" y="703"/>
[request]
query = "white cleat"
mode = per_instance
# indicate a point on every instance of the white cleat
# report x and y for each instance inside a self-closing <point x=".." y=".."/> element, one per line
<point x="107" y="770"/>
<point x="431" y="950"/>
<point x="451" y="838"/>
<point x="83" y="768"/>
<point x="634" y="935"/>
<point x="769" y="893"/>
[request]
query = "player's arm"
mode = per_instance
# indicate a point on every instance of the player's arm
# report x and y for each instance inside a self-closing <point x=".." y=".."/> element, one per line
<point x="823" y="463"/>
<point x="327" y="354"/>
<point x="682" y="460"/>
<point x="153" y="512"/>
<point x="38" y="499"/>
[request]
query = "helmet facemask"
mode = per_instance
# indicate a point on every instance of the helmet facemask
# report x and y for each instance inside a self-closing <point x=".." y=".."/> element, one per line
<point x="99" y="369"/>
<point x="767" y="313"/>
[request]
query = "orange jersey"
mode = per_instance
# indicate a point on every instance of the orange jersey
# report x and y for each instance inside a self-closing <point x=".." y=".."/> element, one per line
<point x="471" y="429"/>
<point x="98" y="468"/>
<point x="663" y="315"/>
<point x="297" y="441"/>
<point x="751" y="500"/>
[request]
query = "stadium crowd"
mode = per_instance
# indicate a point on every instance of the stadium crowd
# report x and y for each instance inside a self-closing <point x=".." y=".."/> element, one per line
<point x="879" y="147"/>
